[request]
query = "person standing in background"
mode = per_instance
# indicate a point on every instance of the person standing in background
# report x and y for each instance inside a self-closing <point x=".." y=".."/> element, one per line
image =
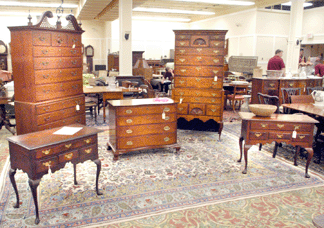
<point x="276" y="62"/>
<point x="319" y="70"/>
<point x="167" y="79"/>
<point x="301" y="56"/>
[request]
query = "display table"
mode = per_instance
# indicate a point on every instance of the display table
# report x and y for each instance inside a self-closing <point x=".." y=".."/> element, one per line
<point x="139" y="124"/>
<point x="35" y="153"/>
<point x="278" y="128"/>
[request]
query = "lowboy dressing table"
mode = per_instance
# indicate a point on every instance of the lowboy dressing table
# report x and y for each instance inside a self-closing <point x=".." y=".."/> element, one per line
<point x="296" y="130"/>
<point x="35" y="153"/>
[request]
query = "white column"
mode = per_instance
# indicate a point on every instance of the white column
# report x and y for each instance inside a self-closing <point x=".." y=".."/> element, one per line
<point x="125" y="43"/>
<point x="295" y="33"/>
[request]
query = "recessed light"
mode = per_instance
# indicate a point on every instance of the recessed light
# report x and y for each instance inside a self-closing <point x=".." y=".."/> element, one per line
<point x="221" y="2"/>
<point x="306" y="4"/>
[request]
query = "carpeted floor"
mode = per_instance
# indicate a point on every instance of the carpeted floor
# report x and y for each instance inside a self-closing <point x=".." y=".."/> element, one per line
<point x="201" y="187"/>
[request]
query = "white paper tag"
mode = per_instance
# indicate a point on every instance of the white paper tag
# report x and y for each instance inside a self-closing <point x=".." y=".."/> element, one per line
<point x="294" y="134"/>
<point x="144" y="90"/>
<point x="49" y="170"/>
<point x="215" y="78"/>
<point x="163" y="115"/>
<point x="77" y="107"/>
<point x="73" y="46"/>
<point x="181" y="100"/>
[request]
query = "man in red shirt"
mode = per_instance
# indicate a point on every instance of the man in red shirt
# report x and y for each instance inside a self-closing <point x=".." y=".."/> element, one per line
<point x="319" y="70"/>
<point x="276" y="62"/>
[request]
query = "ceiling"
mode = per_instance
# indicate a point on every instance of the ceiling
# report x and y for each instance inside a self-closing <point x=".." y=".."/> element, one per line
<point x="107" y="10"/>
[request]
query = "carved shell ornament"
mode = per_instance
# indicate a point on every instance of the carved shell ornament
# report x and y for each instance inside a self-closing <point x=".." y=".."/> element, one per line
<point x="199" y="41"/>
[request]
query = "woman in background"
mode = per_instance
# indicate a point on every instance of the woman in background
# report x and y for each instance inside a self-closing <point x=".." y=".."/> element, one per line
<point x="167" y="79"/>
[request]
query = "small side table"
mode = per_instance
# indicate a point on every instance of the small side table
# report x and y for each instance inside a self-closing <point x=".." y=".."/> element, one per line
<point x="36" y="152"/>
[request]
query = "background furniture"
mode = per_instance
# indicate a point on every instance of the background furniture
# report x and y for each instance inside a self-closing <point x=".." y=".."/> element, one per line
<point x="3" y="56"/>
<point x="89" y="53"/>
<point x="278" y="128"/>
<point x="47" y="66"/>
<point x="198" y="81"/>
<point x="272" y="86"/>
<point x="35" y="157"/>
<point x="311" y="89"/>
<point x="237" y="95"/>
<point x="142" y="124"/>
<point x="301" y="99"/>
<point x="4" y="121"/>
<point x="113" y="59"/>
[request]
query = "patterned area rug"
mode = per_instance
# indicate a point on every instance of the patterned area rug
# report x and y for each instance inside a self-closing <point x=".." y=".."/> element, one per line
<point x="147" y="183"/>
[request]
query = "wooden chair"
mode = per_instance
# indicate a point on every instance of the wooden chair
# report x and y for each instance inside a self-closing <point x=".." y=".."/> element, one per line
<point x="286" y="94"/>
<point x="237" y="95"/>
<point x="91" y="107"/>
<point x="300" y="99"/>
<point x="311" y="89"/>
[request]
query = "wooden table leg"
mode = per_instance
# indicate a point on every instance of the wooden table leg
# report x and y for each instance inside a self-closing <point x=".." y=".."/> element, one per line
<point x="33" y="184"/>
<point x="104" y="109"/>
<point x="220" y="129"/>
<point x="74" y="172"/>
<point x="309" y="158"/>
<point x="12" y="173"/>
<point x="241" y="148"/>
<point x="98" y="163"/>
<point x="246" y="148"/>
<point x="296" y="155"/>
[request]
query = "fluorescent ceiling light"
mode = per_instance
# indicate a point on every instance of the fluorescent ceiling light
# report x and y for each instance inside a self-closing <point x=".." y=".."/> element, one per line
<point x="159" y="10"/>
<point x="306" y="4"/>
<point x="162" y="19"/>
<point x="221" y="2"/>
<point x="37" y="4"/>
<point x="8" y="13"/>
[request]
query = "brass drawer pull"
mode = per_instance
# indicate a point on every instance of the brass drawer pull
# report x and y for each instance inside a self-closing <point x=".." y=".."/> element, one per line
<point x="216" y="60"/>
<point x="68" y="156"/>
<point x="87" y="141"/>
<point x="257" y="134"/>
<point x="45" y="63"/>
<point x="214" y="83"/>
<point x="197" y="93"/>
<point x="44" y="52"/>
<point x="197" y="99"/>
<point x="264" y="125"/>
<point x="215" y="71"/>
<point x="198" y="68"/>
<point x="181" y="82"/>
<point x="301" y="136"/>
<point x="279" y="136"/>
<point x="74" y="62"/>
<point x="166" y="139"/>
<point x="167" y="117"/>
<point x="291" y="84"/>
<point x="272" y="84"/>
<point x="182" y="37"/>
<point x="47" y="164"/>
<point x="216" y="51"/>
<point x="68" y="145"/>
<point x="182" y="60"/>
<point x="180" y="109"/>
<point x="182" y="51"/>
<point x="213" y="100"/>
<point x="129" y="111"/>
<point x="74" y="73"/>
<point x="45" y="76"/>
<point x="47" y="119"/>
<point x="166" y="109"/>
<point x="74" y="40"/>
<point x="129" y="131"/>
<point x="280" y="125"/>
<point x="73" y="52"/>
<point x="129" y="143"/>
<point x="214" y="94"/>
<point x="217" y="37"/>
<point x="183" y="70"/>
<point x="59" y="41"/>
<point x="129" y="121"/>
<point x="297" y="127"/>
<point x="41" y="38"/>
<point x="182" y="43"/>
<point x="213" y="110"/>
<point x="181" y="93"/>
<point x="199" y="58"/>
<point x="198" y="79"/>
<point x="216" y="43"/>
<point x="88" y="151"/>
<point x="166" y="128"/>
<point x="199" y="49"/>
<point x="46" y="152"/>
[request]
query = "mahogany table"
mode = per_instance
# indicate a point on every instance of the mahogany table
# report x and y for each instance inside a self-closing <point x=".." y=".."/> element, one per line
<point x="296" y="130"/>
<point x="36" y="152"/>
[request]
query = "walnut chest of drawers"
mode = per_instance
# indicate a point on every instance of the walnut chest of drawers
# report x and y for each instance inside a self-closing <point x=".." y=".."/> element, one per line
<point x="36" y="152"/>
<point x="47" y="66"/>
<point x="296" y="130"/>
<point x="198" y="79"/>
<point x="142" y="124"/>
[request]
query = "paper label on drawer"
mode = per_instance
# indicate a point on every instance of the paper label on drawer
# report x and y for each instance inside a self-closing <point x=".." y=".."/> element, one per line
<point x="181" y="100"/>
<point x="294" y="134"/>
<point x="215" y="78"/>
<point x="73" y="46"/>
<point x="77" y="107"/>
<point x="163" y="115"/>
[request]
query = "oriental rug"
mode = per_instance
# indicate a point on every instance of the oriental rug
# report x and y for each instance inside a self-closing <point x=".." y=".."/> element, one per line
<point x="158" y="183"/>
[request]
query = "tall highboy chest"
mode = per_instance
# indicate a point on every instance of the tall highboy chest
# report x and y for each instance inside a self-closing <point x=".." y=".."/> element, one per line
<point x="47" y="69"/>
<point x="198" y="82"/>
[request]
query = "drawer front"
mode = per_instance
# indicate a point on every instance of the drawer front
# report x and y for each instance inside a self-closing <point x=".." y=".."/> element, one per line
<point x="280" y="135"/>
<point x="59" y="115"/>
<point x="199" y="51"/>
<point x="199" y="71"/>
<point x="197" y="109"/>
<point x="89" y="151"/>
<point x="197" y="93"/>
<point x="72" y="62"/>
<point x="47" y="51"/>
<point x="87" y="141"/>
<point x="53" y="76"/>
<point x="144" y="110"/>
<point x="205" y="100"/>
<point x="199" y="41"/>
<point x="47" y="151"/>
<point x="68" y="156"/>
<point x="258" y="135"/>
<point x="182" y="37"/>
<point x="182" y="108"/>
<point x="198" y="82"/>
<point x="260" y="125"/>
<point x="289" y="84"/>
<point x="41" y="38"/>
<point x="282" y="126"/>
<point x="146" y="119"/>
<point x="59" y="39"/>
<point x="199" y="60"/>
<point x="75" y="119"/>
<point x="43" y="165"/>
<point x="314" y="82"/>
<point x="217" y="37"/>
<point x="63" y="89"/>
<point x="214" y="110"/>
<point x="146" y="140"/>
<point x="74" y="40"/>
<point x="307" y="138"/>
<point x="182" y="43"/>
<point x="47" y="63"/>
<point x="271" y="84"/>
<point x="58" y="105"/>
<point x="73" y="52"/>
<point x="146" y="129"/>
<point x="217" y="44"/>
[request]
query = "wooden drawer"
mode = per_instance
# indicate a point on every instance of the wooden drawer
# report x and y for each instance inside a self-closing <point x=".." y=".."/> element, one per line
<point x="47" y="51"/>
<point x="182" y="108"/>
<point x="73" y="52"/>
<point x="199" y="41"/>
<point x="307" y="138"/>
<point x="43" y="165"/>
<point x="217" y="44"/>
<point x="182" y="43"/>
<point x="146" y="119"/>
<point x="205" y="100"/>
<point x="199" y="51"/>
<point x="146" y="129"/>
<point x="47" y="63"/>
<point x="199" y="60"/>
<point x="271" y="84"/>
<point x="59" y="39"/>
<point x="53" y="76"/>
<point x="41" y="38"/>
<point x="197" y="109"/>
<point x="146" y="140"/>
<point x="75" y="119"/>
<point x="68" y="156"/>
<point x="199" y="71"/>
<point x="282" y="126"/>
<point x="198" y="82"/>
<point x="72" y="62"/>
<point x="63" y="89"/>
<point x="47" y="107"/>
<point x="289" y="84"/>
<point x="280" y="135"/>
<point x="197" y="93"/>
<point x="214" y="110"/>
<point x="183" y="37"/>
<point x="314" y="82"/>
<point x="88" y="151"/>
<point x="59" y="115"/>
<point x="74" y="40"/>
<point x="217" y="37"/>
<point x="47" y="151"/>
<point x="258" y="135"/>
<point x="145" y="110"/>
